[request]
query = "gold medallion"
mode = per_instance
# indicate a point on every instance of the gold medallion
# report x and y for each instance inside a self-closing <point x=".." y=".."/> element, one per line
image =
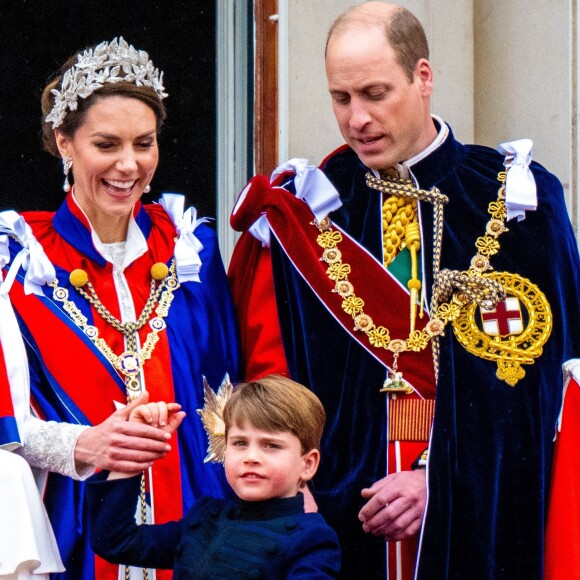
<point x="513" y="332"/>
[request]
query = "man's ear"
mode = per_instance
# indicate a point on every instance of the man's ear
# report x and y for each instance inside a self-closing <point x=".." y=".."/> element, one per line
<point x="310" y="462"/>
<point x="424" y="73"/>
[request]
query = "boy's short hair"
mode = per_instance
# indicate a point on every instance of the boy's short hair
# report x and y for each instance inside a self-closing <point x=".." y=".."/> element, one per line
<point x="277" y="404"/>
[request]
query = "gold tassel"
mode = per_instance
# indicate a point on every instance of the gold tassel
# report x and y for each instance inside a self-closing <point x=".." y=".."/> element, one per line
<point x="413" y="242"/>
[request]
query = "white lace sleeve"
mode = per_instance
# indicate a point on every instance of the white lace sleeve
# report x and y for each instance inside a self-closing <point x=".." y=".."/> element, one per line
<point x="50" y="446"/>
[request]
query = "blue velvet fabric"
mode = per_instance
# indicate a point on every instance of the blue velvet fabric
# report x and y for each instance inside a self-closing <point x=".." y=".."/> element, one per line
<point x="491" y="447"/>
<point x="267" y="539"/>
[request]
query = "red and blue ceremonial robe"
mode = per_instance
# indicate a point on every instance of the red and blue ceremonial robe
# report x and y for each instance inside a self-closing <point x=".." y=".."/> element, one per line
<point x="71" y="380"/>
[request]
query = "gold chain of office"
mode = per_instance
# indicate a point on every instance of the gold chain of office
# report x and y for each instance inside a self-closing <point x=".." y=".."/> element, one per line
<point x="452" y="289"/>
<point x="129" y="363"/>
<point x="163" y="283"/>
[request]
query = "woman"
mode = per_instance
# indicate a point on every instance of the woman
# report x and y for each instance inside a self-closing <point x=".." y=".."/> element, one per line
<point x="113" y="298"/>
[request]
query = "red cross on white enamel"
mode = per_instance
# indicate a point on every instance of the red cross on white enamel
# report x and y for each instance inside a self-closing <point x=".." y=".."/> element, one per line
<point x="502" y="314"/>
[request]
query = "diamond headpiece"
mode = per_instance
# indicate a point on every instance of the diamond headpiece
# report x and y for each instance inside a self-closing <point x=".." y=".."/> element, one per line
<point x="107" y="63"/>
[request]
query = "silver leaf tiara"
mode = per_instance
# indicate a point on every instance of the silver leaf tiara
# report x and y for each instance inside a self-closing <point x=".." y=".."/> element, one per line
<point x="107" y="63"/>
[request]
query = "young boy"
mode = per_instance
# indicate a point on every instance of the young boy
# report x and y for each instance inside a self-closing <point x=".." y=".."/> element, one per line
<point x="273" y="428"/>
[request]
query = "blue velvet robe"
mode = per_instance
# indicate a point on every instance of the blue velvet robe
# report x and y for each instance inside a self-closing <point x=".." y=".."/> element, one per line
<point x="491" y="446"/>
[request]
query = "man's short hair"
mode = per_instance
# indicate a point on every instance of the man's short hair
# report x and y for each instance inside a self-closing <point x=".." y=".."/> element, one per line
<point x="277" y="404"/>
<point x="404" y="32"/>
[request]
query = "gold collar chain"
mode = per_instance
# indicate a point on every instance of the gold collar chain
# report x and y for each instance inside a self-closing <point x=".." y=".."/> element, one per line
<point x="131" y="361"/>
<point x="451" y="289"/>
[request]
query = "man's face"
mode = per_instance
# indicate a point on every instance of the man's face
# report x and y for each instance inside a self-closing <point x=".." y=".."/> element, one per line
<point x="383" y="116"/>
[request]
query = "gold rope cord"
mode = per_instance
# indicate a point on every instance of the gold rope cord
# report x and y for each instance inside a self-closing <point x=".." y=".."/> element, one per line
<point x="401" y="230"/>
<point x="398" y="213"/>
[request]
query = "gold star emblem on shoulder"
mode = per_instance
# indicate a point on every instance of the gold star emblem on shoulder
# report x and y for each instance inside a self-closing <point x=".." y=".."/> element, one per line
<point x="513" y="332"/>
<point x="212" y="417"/>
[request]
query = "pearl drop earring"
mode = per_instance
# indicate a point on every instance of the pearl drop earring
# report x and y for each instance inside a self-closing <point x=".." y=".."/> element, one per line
<point x="66" y="166"/>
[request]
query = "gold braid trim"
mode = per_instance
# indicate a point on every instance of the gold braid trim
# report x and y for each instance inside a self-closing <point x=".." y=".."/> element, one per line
<point x="405" y="187"/>
<point x="410" y="419"/>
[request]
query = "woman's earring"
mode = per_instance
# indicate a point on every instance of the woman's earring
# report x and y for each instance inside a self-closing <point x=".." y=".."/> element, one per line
<point x="147" y="189"/>
<point x="66" y="165"/>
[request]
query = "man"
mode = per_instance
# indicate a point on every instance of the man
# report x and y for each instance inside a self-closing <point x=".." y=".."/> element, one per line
<point x="416" y="288"/>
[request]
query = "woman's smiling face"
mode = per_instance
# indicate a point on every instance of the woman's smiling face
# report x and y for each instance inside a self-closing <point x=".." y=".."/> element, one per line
<point x="114" y="155"/>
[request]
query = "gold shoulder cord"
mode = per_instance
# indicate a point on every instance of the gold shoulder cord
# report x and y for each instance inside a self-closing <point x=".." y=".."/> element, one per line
<point x="456" y="294"/>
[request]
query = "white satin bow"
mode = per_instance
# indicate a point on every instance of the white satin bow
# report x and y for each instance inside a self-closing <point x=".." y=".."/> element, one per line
<point x="187" y="247"/>
<point x="571" y="370"/>
<point x="4" y="254"/>
<point x="12" y="344"/>
<point x="311" y="185"/>
<point x="520" y="186"/>
<point x="39" y="270"/>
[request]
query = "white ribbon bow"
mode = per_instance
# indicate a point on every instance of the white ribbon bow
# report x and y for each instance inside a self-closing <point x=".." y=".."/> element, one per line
<point x="12" y="346"/>
<point x="571" y="370"/>
<point x="520" y="186"/>
<point x="39" y="270"/>
<point x="312" y="186"/>
<point x="187" y="247"/>
<point x="4" y="254"/>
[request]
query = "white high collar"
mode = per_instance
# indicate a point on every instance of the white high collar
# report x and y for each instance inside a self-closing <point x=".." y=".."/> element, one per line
<point x="404" y="167"/>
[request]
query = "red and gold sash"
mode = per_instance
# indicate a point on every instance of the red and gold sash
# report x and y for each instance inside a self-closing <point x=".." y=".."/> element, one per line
<point x="386" y="301"/>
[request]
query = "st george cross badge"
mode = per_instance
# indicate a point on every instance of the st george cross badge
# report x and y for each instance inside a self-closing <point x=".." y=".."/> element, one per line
<point x="513" y="332"/>
<point x="504" y="319"/>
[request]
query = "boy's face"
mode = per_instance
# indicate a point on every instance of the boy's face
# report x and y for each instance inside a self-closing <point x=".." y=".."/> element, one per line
<point x="262" y="465"/>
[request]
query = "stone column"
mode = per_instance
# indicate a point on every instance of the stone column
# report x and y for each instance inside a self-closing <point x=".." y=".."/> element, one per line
<point x="524" y="81"/>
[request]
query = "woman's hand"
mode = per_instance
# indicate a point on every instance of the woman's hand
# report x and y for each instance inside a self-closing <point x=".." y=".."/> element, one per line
<point x="117" y="444"/>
